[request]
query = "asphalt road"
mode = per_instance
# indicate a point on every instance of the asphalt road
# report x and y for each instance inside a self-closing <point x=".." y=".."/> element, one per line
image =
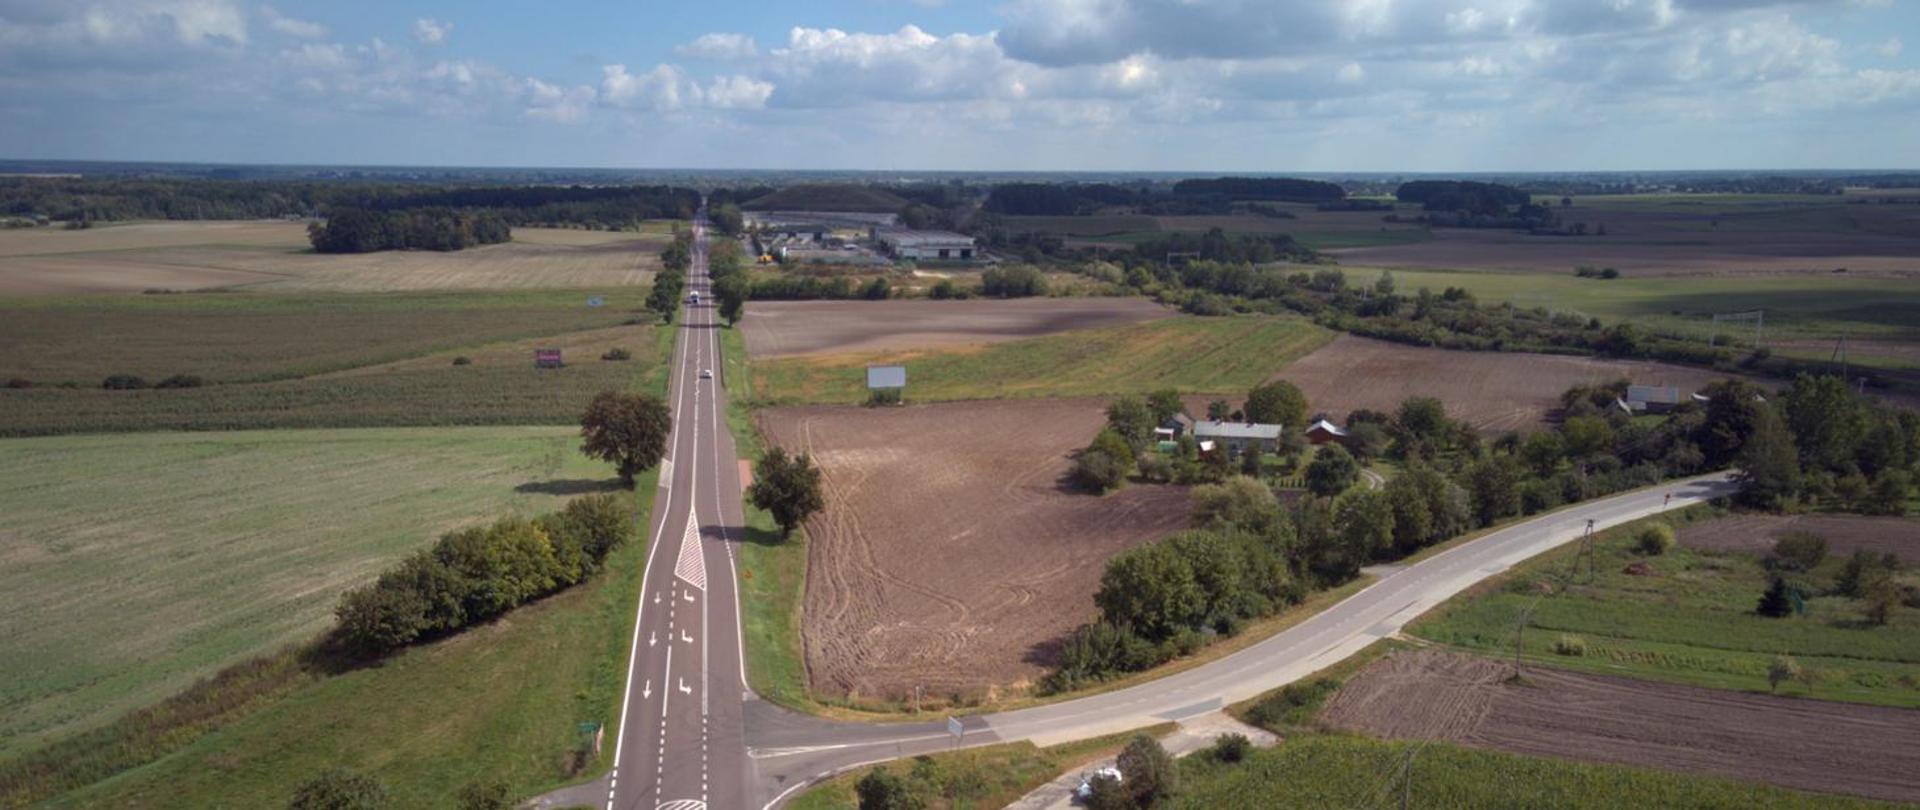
<point x="693" y="735"/>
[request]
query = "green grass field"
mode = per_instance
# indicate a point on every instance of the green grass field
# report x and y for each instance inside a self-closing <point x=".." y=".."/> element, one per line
<point x="1341" y="771"/>
<point x="138" y="563"/>
<point x="1811" y="307"/>
<point x="500" y="701"/>
<point x="1195" y="355"/>
<point x="499" y="387"/>
<point x="1693" y="623"/>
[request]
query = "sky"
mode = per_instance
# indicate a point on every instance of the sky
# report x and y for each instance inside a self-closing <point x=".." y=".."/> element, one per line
<point x="1128" y="85"/>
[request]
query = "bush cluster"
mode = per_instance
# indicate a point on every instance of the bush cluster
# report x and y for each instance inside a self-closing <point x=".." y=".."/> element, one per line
<point x="476" y="574"/>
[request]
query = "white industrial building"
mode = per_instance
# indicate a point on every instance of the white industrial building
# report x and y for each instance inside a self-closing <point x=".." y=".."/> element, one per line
<point x="926" y="245"/>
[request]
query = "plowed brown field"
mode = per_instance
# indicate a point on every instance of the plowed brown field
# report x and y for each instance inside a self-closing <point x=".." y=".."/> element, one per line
<point x="1845" y="533"/>
<point x="950" y="557"/>
<point x="1494" y="391"/>
<point x="1807" y="744"/>
<point x="785" y="328"/>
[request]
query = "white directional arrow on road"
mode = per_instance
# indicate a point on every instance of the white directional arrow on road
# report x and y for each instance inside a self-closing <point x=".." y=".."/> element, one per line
<point x="652" y="639"/>
<point x="686" y="638"/>
<point x="684" y="689"/>
<point x="648" y="691"/>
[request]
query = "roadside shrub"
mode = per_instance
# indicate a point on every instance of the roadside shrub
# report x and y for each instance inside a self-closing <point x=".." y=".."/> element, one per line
<point x="881" y="789"/>
<point x="463" y="360"/>
<point x="123" y="382"/>
<point x="339" y="789"/>
<point x="1293" y="705"/>
<point x="19" y="382"/>
<point x="1654" y="540"/>
<point x="1798" y="551"/>
<point x="485" y="794"/>
<point x="1147" y="771"/>
<point x="617" y="354"/>
<point x="1231" y="747"/>
<point x="182" y="381"/>
<point x="1570" y="645"/>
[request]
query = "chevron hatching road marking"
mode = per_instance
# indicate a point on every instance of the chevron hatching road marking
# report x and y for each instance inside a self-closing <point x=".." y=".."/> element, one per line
<point x="692" y="565"/>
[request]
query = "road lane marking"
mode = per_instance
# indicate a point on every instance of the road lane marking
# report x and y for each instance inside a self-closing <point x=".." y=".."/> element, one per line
<point x="691" y="566"/>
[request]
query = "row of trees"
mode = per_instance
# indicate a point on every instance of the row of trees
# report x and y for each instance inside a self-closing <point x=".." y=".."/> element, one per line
<point x="107" y="199"/>
<point x="359" y="230"/>
<point x="477" y="574"/>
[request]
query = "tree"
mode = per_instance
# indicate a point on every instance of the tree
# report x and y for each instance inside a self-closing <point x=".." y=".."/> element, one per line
<point x="1862" y="569"/>
<point x="1364" y="519"/>
<point x="1733" y="409"/>
<point x="1164" y="403"/>
<point x="1586" y="436"/>
<point x="339" y="789"/>
<point x="1783" y="669"/>
<point x="374" y="620"/>
<point x="1218" y="410"/>
<point x="1827" y="419"/>
<point x="1333" y="470"/>
<point x="1890" y="492"/>
<point x="1105" y="463"/>
<point x="1237" y="503"/>
<point x="1883" y="598"/>
<point x="1493" y="489"/>
<point x="788" y="486"/>
<point x="1150" y="590"/>
<point x="1133" y="420"/>
<point x="1423" y="426"/>
<point x="1107" y="793"/>
<point x="627" y="430"/>
<point x="1769" y="467"/>
<point x="1799" y="551"/>
<point x="1654" y="540"/>
<point x="1277" y="403"/>
<point x="1147" y="771"/>
<point x="731" y="293"/>
<point x="1366" y="440"/>
<point x="1775" y="603"/>
<point x="881" y="789"/>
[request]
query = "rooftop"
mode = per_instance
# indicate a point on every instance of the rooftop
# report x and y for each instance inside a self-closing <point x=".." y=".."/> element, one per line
<point x="924" y="238"/>
<point x="1236" y="430"/>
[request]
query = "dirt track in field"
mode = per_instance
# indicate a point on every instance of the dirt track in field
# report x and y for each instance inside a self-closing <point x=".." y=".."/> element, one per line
<point x="1496" y="392"/>
<point x="1806" y="744"/>
<point x="1756" y="534"/>
<point x="786" y="328"/>
<point x="949" y="556"/>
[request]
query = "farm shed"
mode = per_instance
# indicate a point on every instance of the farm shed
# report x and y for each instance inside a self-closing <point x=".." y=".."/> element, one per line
<point x="936" y="245"/>
<point x="1236" y="437"/>
<point x="1176" y="426"/>
<point x="1651" y="398"/>
<point x="1324" y="432"/>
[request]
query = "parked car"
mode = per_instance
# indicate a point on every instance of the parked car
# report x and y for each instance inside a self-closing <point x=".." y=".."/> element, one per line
<point x="1085" y="790"/>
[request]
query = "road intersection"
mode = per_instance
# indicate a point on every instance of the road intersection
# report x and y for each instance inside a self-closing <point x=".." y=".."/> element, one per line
<point x="693" y="735"/>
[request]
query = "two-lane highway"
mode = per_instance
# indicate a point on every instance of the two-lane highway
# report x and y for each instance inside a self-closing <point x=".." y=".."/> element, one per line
<point x="679" y="744"/>
<point x="692" y="735"/>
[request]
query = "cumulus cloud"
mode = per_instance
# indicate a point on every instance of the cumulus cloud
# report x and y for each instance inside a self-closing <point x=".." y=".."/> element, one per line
<point x="566" y="105"/>
<point x="668" y="88"/>
<point x="719" y="47"/>
<point x="429" y="31"/>
<point x="301" y="29"/>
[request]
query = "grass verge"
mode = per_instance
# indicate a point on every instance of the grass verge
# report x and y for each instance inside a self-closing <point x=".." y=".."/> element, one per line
<point x="1688" y="619"/>
<point x="986" y="777"/>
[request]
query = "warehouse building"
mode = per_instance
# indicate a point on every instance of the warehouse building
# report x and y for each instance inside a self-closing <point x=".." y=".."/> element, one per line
<point x="926" y="245"/>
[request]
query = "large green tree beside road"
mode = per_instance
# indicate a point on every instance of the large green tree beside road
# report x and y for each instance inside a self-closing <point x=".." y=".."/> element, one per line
<point x="788" y="487"/>
<point x="627" y="430"/>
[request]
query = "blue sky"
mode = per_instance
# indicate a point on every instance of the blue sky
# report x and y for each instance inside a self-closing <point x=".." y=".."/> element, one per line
<point x="1183" y="85"/>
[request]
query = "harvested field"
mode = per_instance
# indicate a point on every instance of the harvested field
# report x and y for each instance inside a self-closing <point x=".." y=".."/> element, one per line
<point x="949" y="556"/>
<point x="275" y="256"/>
<point x="1809" y="745"/>
<point x="1755" y="534"/>
<point x="1681" y="239"/>
<point x="786" y="328"/>
<point x="1496" y="392"/>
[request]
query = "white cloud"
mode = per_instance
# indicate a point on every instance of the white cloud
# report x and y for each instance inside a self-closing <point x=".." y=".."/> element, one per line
<point x="428" y="31"/>
<point x="663" y="89"/>
<point x="301" y="29"/>
<point x="1891" y="48"/>
<point x="737" y="93"/>
<point x="566" y="105"/>
<point x="720" y="47"/>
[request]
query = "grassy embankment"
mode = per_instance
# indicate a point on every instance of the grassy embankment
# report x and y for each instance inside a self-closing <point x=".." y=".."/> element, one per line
<point x="1691" y="622"/>
<point x="500" y="701"/>
<point x="986" y="777"/>
<point x="274" y="361"/>
<point x="1195" y="355"/>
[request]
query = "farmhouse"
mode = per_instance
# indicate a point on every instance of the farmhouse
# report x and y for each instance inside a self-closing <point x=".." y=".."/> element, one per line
<point x="1324" y="432"/>
<point x="1651" y="398"/>
<point x="1236" y="437"/>
<point x="919" y="245"/>
<point x="1176" y="426"/>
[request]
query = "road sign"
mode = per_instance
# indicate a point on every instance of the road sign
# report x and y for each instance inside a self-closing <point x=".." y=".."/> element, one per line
<point x="546" y="358"/>
<point x="596" y="301"/>
<point x="954" y="728"/>
<point x="884" y="377"/>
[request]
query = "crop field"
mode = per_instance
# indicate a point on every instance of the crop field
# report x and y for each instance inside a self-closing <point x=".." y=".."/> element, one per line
<point x="1845" y="534"/>
<point x="1316" y="771"/>
<point x="1495" y="392"/>
<point x="1320" y="230"/>
<point x="950" y="555"/>
<point x="1195" y="355"/>
<point x="1686" y="617"/>
<point x="1867" y="751"/>
<point x="172" y="555"/>
<point x="787" y="328"/>
<point x="275" y="256"/>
